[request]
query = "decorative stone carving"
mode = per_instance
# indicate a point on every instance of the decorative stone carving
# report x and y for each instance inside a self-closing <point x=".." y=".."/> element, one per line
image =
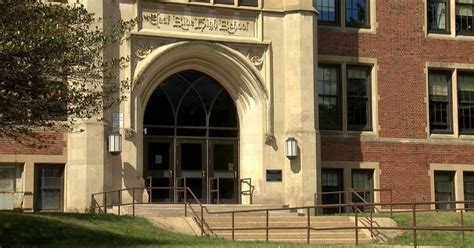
<point x="129" y="133"/>
<point x="255" y="55"/>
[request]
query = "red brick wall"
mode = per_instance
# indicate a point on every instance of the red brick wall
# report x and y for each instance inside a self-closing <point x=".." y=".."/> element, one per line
<point x="44" y="144"/>
<point x="401" y="49"/>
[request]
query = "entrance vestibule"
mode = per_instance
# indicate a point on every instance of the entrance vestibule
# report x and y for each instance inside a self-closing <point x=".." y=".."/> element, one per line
<point x="191" y="135"/>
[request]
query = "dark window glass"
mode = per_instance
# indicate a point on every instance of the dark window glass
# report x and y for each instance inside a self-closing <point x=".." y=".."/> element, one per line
<point x="208" y="89"/>
<point x="158" y="110"/>
<point x="466" y="102"/>
<point x="437" y="16"/>
<point x="223" y="112"/>
<point x="175" y="86"/>
<point x="195" y="104"/>
<point x="224" y="1"/>
<point x="464" y="17"/>
<point x="358" y="98"/>
<point x="191" y="111"/>
<point x="329" y="102"/>
<point x="328" y="11"/>
<point x="440" y="104"/>
<point x="49" y="188"/>
<point x="357" y="13"/>
<point x="444" y="189"/>
<point x="251" y="3"/>
<point x="363" y="180"/>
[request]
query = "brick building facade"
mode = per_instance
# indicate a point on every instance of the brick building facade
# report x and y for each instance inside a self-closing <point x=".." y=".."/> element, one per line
<point x="391" y="81"/>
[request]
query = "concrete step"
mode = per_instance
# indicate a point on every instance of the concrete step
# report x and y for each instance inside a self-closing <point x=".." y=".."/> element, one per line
<point x="276" y="224"/>
<point x="285" y="235"/>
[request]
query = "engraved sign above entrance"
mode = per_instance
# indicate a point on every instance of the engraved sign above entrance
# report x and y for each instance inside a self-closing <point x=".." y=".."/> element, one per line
<point x="206" y="21"/>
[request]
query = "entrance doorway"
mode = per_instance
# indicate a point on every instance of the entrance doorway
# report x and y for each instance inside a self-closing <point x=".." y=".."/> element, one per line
<point x="191" y="137"/>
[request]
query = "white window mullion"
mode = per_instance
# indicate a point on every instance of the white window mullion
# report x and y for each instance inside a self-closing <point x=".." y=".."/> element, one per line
<point x="454" y="99"/>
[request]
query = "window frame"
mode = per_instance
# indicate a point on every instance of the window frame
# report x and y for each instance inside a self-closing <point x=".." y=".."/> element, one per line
<point x="447" y="30"/>
<point x="372" y="115"/>
<point x="467" y="33"/>
<point x="450" y="129"/>
<point x="339" y="96"/>
<point x="462" y="131"/>
<point x="235" y="3"/>
<point x="366" y="24"/>
<point x="367" y="127"/>
<point x="338" y="12"/>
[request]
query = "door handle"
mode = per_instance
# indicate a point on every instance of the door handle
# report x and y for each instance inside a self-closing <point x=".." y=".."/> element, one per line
<point x="171" y="173"/>
<point x="235" y="174"/>
<point x="203" y="173"/>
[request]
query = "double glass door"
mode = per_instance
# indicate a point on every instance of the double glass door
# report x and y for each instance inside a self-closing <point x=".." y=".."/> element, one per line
<point x="201" y="164"/>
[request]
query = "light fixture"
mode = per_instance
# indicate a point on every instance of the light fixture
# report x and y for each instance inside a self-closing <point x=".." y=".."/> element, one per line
<point x="291" y="148"/>
<point x="115" y="143"/>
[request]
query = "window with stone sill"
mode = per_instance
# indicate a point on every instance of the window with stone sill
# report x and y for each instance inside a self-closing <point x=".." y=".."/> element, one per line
<point x="357" y="97"/>
<point x="356" y="13"/>
<point x="247" y="3"/>
<point x="441" y="101"/>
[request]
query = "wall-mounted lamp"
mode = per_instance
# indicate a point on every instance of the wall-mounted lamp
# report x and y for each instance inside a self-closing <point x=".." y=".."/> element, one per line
<point x="115" y="143"/>
<point x="291" y="148"/>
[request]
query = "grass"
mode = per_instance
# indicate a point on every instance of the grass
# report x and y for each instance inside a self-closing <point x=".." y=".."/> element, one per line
<point x="91" y="230"/>
<point x="434" y="237"/>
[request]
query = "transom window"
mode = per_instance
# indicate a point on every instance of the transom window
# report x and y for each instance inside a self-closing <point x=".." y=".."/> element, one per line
<point x="191" y="104"/>
<point x="356" y="99"/>
<point x="442" y="103"/>
<point x="249" y="3"/>
<point x="354" y="13"/>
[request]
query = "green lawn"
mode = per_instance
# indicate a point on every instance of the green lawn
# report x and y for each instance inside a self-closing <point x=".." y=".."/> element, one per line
<point x="434" y="237"/>
<point x="90" y="230"/>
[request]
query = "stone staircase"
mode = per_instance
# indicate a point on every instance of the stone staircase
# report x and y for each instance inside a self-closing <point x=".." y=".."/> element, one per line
<point x="169" y="216"/>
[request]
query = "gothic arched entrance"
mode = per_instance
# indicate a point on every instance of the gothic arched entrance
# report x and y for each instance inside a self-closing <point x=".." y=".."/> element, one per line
<point x="191" y="133"/>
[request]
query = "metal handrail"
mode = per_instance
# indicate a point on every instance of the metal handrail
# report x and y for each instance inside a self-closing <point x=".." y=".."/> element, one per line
<point x="249" y="192"/>
<point x="200" y="219"/>
<point x="356" y="227"/>
<point x="216" y="190"/>
<point x="344" y="194"/>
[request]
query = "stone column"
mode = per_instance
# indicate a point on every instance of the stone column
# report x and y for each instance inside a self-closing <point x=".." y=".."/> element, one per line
<point x="300" y="60"/>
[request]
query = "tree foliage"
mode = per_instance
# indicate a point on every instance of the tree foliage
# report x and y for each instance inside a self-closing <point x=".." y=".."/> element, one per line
<point x="52" y="68"/>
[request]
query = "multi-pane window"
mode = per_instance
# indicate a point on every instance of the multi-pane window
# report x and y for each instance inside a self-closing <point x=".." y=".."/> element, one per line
<point x="444" y="105"/>
<point x="49" y="188"/>
<point x="466" y="102"/>
<point x="347" y="13"/>
<point x="358" y="98"/>
<point x="357" y="13"/>
<point x="469" y="189"/>
<point x="329" y="97"/>
<point x="440" y="98"/>
<point x="438" y="16"/>
<point x="464" y="17"/>
<point x="444" y="189"/>
<point x="250" y="3"/>
<point x="363" y="180"/>
<point x="328" y="12"/>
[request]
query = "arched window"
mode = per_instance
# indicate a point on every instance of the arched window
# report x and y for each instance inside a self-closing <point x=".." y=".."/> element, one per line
<point x="191" y="104"/>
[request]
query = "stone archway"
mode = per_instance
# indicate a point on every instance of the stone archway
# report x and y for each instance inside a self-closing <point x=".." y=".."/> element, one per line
<point x="238" y="77"/>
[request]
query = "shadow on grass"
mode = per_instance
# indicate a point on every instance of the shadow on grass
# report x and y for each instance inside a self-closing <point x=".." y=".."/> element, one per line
<point x="86" y="230"/>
